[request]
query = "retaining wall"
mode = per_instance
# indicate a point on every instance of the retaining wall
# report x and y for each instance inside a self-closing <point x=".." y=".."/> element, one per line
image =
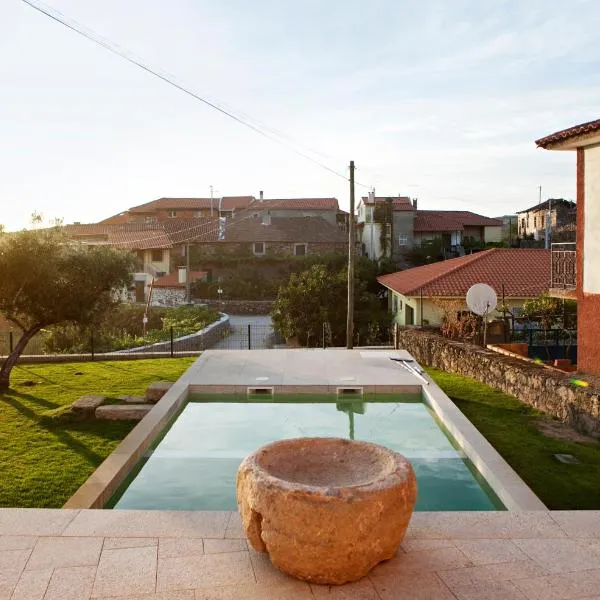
<point x="546" y="390"/>
<point x="205" y="338"/>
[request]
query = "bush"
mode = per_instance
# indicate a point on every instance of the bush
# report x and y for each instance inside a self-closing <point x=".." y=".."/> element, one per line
<point x="123" y="328"/>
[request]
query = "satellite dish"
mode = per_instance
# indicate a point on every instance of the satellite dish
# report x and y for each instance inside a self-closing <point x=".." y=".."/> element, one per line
<point x="481" y="299"/>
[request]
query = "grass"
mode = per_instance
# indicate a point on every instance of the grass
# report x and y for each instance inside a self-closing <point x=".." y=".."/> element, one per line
<point x="507" y="424"/>
<point x="44" y="455"/>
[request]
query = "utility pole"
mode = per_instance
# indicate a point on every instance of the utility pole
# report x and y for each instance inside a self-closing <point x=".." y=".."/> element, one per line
<point x="548" y="224"/>
<point x="188" y="299"/>
<point x="540" y="194"/>
<point x="350" y="316"/>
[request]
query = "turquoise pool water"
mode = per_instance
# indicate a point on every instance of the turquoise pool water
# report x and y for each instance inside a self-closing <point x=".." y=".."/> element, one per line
<point x="194" y="465"/>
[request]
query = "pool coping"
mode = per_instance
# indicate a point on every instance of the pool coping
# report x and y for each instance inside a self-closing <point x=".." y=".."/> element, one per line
<point x="106" y="479"/>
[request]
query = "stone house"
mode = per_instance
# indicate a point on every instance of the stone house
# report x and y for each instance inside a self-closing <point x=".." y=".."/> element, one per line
<point x="553" y="213"/>
<point x="170" y="290"/>
<point x="579" y="270"/>
<point x="416" y="296"/>
<point x="390" y="226"/>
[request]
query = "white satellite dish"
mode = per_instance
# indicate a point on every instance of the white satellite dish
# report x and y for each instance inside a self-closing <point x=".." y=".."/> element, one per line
<point x="481" y="299"/>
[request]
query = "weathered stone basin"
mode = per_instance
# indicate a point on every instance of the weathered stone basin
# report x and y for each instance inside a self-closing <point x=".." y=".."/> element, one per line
<point x="327" y="510"/>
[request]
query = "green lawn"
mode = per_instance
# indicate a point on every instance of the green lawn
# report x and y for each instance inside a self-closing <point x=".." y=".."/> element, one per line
<point x="44" y="456"/>
<point x="507" y="424"/>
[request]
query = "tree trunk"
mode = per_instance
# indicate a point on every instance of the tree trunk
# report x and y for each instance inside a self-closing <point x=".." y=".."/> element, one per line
<point x="13" y="357"/>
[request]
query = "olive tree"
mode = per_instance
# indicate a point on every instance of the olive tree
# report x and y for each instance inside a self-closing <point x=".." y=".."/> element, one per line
<point x="46" y="279"/>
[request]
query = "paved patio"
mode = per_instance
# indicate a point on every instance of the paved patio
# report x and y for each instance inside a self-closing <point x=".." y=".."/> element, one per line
<point x="73" y="554"/>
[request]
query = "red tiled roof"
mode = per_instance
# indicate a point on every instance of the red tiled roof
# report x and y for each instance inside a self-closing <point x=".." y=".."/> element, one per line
<point x="571" y="132"/>
<point x="172" y="279"/>
<point x="122" y="217"/>
<point x="398" y="202"/>
<point x="524" y="272"/>
<point x="451" y="220"/>
<point x="297" y="203"/>
<point x="131" y="236"/>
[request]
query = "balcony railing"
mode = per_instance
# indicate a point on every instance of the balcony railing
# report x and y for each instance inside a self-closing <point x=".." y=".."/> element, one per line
<point x="563" y="266"/>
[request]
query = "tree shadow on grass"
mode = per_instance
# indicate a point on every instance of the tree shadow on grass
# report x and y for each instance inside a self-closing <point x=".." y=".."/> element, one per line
<point x="14" y="394"/>
<point x="57" y="429"/>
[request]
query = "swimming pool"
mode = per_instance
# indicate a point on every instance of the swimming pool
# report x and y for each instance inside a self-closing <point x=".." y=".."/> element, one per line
<point x="193" y="466"/>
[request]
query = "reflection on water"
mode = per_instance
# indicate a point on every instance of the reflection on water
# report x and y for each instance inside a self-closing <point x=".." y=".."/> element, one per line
<point x="195" y="464"/>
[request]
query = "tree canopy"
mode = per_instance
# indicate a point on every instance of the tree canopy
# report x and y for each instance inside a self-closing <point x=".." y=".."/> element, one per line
<point x="47" y="279"/>
<point x="313" y="304"/>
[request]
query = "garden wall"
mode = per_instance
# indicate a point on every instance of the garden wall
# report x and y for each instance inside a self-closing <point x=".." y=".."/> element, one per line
<point x="548" y="391"/>
<point x="201" y="340"/>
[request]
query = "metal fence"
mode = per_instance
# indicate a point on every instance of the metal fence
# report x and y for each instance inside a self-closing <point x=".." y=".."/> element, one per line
<point x="545" y="337"/>
<point x="240" y="334"/>
<point x="563" y="266"/>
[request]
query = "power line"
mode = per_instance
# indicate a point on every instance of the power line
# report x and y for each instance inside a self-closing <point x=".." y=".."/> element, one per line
<point x="170" y="79"/>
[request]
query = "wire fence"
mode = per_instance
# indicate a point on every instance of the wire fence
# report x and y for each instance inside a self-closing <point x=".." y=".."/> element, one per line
<point x="232" y="335"/>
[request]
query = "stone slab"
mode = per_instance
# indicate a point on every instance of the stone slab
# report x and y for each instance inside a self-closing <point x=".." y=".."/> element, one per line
<point x="132" y="399"/>
<point x="157" y="390"/>
<point x="86" y="406"/>
<point x="123" y="412"/>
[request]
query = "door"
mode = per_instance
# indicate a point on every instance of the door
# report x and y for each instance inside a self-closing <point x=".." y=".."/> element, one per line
<point x="409" y="315"/>
<point x="140" y="296"/>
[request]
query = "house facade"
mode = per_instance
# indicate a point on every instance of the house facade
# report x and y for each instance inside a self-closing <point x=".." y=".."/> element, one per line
<point x="390" y="226"/>
<point x="551" y="214"/>
<point x="584" y="140"/>
<point x="417" y="296"/>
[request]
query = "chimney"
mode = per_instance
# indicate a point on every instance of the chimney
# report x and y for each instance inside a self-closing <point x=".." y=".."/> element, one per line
<point x="261" y="195"/>
<point x="415" y="203"/>
<point x="372" y="196"/>
<point x="181" y="274"/>
<point x="266" y="217"/>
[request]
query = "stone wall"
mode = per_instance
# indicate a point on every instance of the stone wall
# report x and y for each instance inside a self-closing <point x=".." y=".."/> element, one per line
<point x="168" y="296"/>
<point x="546" y="390"/>
<point x="240" y="307"/>
<point x="201" y="340"/>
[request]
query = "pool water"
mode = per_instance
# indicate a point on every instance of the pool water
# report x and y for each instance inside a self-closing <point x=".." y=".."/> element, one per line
<point x="194" y="466"/>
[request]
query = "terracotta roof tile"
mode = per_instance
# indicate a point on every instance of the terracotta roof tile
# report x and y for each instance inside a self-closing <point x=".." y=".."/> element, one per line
<point x="451" y="220"/>
<point x="172" y="279"/>
<point x="571" y="132"/>
<point x="398" y="202"/>
<point x="524" y="272"/>
<point x="297" y="203"/>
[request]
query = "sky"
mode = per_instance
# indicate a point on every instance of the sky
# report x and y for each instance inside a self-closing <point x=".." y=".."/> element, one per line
<point x="438" y="100"/>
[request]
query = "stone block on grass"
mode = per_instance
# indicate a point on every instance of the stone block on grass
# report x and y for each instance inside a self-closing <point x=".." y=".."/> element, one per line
<point x="85" y="407"/>
<point x="123" y="412"/>
<point x="157" y="390"/>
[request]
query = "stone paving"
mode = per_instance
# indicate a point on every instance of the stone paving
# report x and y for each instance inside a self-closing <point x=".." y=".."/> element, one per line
<point x="162" y="555"/>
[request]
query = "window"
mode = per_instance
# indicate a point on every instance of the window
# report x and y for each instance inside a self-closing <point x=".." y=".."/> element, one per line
<point x="150" y="219"/>
<point x="542" y="222"/>
<point x="259" y="248"/>
<point x="395" y="304"/>
<point x="403" y="239"/>
<point x="299" y="249"/>
<point x="171" y="214"/>
<point x="157" y="255"/>
<point x="535" y="222"/>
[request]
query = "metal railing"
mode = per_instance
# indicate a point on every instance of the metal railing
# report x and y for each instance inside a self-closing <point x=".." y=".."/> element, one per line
<point x="563" y="266"/>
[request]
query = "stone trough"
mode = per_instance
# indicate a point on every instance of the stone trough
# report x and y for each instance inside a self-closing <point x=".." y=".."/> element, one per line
<point x="326" y="510"/>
